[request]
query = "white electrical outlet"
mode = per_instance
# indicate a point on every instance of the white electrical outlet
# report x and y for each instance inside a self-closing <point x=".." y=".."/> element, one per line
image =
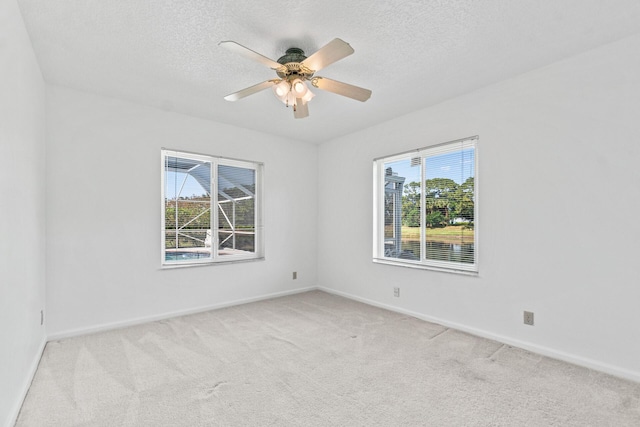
<point x="528" y="318"/>
<point x="396" y="292"/>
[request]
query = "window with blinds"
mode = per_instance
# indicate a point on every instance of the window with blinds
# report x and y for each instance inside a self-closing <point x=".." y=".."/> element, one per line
<point x="425" y="207"/>
<point x="211" y="209"/>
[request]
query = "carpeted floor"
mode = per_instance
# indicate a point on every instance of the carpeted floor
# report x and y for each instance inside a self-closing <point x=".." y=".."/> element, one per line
<point x="313" y="359"/>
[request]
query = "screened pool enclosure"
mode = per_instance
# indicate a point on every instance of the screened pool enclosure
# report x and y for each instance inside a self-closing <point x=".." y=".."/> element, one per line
<point x="210" y="208"/>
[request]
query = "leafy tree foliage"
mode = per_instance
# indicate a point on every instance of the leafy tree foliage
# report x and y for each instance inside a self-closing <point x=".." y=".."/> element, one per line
<point x="434" y="219"/>
<point x="411" y="205"/>
<point x="445" y="201"/>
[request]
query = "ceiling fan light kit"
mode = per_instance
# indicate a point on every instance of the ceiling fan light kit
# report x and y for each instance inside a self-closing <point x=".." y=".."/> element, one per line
<point x="294" y="69"/>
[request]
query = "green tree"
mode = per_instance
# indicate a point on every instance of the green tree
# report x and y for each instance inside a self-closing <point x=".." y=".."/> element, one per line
<point x="411" y="205"/>
<point x="440" y="197"/>
<point x="434" y="219"/>
<point x="440" y="188"/>
<point x="444" y="200"/>
<point x="466" y="200"/>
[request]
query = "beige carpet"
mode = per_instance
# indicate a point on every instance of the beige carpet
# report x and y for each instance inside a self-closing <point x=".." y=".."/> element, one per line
<point x="313" y="359"/>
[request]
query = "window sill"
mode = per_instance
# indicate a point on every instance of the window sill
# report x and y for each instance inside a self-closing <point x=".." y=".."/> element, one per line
<point x="209" y="263"/>
<point x="420" y="266"/>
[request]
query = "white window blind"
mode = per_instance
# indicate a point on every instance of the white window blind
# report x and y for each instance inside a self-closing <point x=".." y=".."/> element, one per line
<point x="211" y="209"/>
<point x="236" y="209"/>
<point x="425" y="207"/>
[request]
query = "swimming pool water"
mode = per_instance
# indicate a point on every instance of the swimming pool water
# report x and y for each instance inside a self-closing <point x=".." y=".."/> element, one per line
<point x="181" y="256"/>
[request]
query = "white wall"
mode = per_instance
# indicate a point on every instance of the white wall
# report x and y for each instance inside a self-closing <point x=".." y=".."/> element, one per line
<point x="559" y="155"/>
<point x="103" y="214"/>
<point x="22" y="211"/>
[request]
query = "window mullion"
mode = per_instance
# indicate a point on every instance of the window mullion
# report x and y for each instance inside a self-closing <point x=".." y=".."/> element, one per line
<point x="214" y="209"/>
<point x="257" y="212"/>
<point x="379" y="207"/>
<point x="423" y="208"/>
<point x="381" y="212"/>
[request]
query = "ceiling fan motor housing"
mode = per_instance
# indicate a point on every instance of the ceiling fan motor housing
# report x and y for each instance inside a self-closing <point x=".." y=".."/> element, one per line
<point x="291" y="60"/>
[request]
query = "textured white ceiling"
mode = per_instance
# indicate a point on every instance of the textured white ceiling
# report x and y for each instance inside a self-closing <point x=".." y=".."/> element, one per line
<point x="410" y="53"/>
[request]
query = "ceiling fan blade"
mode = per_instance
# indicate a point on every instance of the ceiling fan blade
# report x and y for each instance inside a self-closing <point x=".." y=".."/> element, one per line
<point x="248" y="53"/>
<point x="344" y="89"/>
<point x="302" y="109"/>
<point x="251" y="90"/>
<point x="333" y="51"/>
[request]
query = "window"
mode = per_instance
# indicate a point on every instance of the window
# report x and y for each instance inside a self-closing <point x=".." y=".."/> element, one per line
<point x="211" y="210"/>
<point x="425" y="207"/>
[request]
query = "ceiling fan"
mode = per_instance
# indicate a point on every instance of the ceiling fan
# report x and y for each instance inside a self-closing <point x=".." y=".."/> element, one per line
<point x="294" y="69"/>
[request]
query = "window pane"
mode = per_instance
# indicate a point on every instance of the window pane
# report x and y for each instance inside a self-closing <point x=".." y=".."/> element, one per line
<point x="236" y="210"/>
<point x="402" y="209"/>
<point x="426" y="208"/>
<point x="187" y="209"/>
<point x="449" y="206"/>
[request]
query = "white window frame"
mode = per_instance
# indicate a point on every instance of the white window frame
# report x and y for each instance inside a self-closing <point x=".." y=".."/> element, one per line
<point x="378" y="208"/>
<point x="215" y="161"/>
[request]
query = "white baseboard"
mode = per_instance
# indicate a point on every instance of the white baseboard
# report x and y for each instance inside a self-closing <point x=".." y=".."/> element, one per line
<point x="27" y="383"/>
<point x="545" y="351"/>
<point x="145" y="319"/>
<point x="542" y="350"/>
